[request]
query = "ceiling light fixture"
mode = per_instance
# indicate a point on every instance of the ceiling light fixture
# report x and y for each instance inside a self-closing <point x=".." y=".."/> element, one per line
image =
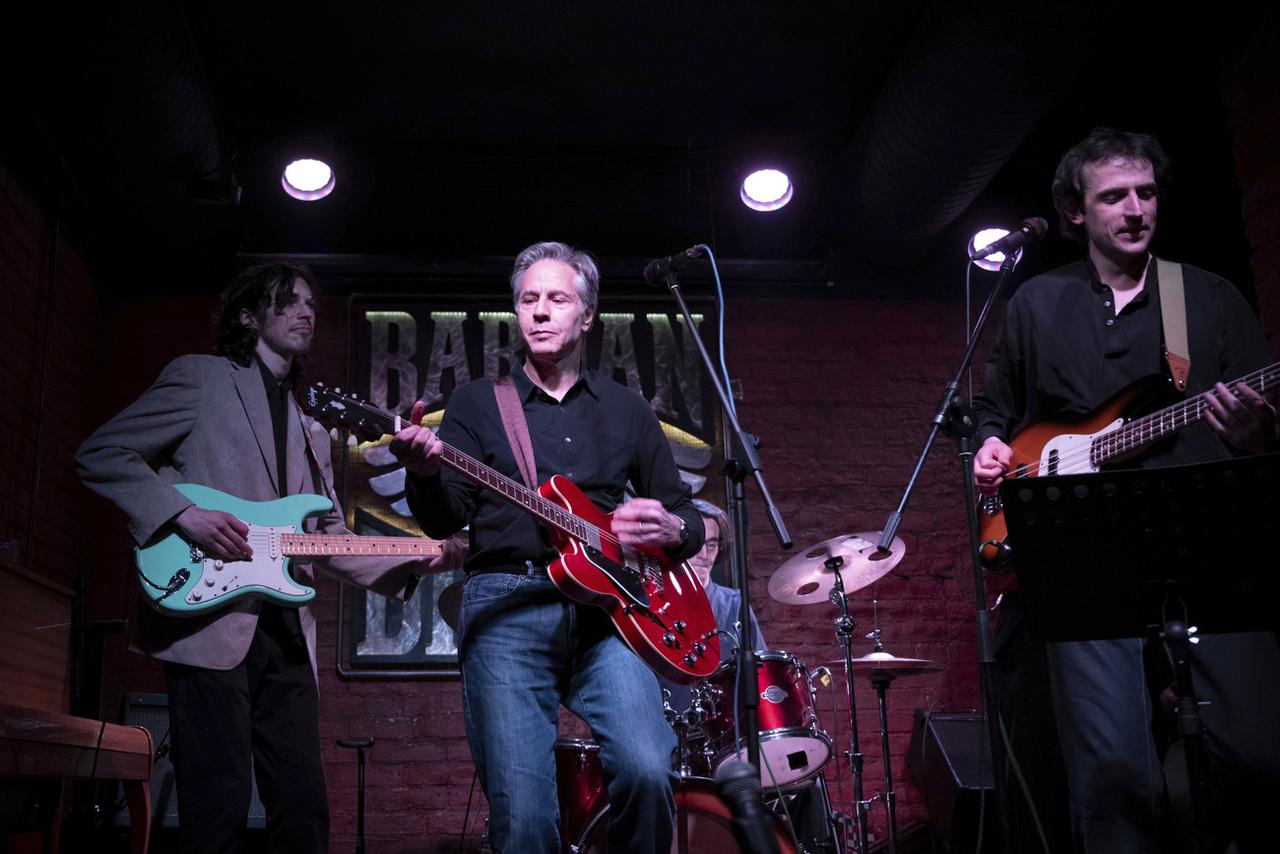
<point x="307" y="179"/>
<point x="766" y="190"/>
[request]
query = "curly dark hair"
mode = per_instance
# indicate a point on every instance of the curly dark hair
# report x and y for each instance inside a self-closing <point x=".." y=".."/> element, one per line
<point x="1102" y="144"/>
<point x="254" y="288"/>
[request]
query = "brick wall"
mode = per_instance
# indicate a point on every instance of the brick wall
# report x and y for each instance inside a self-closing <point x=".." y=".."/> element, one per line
<point x="47" y="356"/>
<point x="1252" y="96"/>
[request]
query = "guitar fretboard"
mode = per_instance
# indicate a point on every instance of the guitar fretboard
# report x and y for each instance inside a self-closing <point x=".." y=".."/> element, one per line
<point x="327" y="545"/>
<point x="1141" y="432"/>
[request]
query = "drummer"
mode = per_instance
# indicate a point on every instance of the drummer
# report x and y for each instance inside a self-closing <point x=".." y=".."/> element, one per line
<point x="725" y="601"/>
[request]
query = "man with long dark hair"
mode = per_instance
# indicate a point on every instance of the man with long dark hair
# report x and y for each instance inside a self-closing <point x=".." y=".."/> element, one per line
<point x="242" y="679"/>
<point x="1073" y="338"/>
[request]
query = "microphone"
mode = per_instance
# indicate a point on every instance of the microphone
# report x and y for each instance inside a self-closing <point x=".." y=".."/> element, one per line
<point x="738" y="784"/>
<point x="1029" y="231"/>
<point x="657" y="269"/>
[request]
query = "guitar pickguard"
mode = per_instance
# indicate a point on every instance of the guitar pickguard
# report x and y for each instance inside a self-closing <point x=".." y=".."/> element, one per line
<point x="1069" y="453"/>
<point x="263" y="573"/>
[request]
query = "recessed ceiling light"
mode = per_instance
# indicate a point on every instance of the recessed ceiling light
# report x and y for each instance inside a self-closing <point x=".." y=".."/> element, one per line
<point x="766" y="190"/>
<point x="307" y="179"/>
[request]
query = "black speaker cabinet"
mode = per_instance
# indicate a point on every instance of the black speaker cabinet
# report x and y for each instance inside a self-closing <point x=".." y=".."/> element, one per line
<point x="152" y="711"/>
<point x="950" y="763"/>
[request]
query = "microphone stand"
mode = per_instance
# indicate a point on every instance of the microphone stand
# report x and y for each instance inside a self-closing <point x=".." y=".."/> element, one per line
<point x="955" y="417"/>
<point x="740" y="462"/>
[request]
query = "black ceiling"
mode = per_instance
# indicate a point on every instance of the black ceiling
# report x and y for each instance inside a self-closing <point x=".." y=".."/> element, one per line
<point x="468" y="130"/>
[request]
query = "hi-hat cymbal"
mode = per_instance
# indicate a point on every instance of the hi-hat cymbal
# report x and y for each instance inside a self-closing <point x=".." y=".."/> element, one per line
<point x="805" y="578"/>
<point x="450" y="603"/>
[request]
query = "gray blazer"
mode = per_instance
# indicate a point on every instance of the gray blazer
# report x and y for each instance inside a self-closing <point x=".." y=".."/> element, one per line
<point x="205" y="420"/>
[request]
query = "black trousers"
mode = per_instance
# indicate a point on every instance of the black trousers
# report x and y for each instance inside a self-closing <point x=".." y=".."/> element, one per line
<point x="266" y="707"/>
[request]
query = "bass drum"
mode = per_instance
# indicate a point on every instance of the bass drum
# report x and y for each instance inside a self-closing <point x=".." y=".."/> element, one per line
<point x="706" y="823"/>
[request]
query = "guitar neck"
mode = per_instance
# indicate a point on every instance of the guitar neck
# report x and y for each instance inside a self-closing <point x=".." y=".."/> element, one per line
<point x="518" y="494"/>
<point x="1140" y="432"/>
<point x="331" y="545"/>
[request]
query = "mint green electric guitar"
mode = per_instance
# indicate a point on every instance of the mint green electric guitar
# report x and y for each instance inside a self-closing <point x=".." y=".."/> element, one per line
<point x="181" y="580"/>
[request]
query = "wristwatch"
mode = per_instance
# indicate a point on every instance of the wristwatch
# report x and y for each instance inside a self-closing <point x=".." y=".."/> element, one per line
<point x="684" y="532"/>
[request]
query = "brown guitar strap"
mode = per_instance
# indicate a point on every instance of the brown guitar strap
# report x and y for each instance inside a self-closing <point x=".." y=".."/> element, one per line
<point x="504" y="389"/>
<point x="1173" y="313"/>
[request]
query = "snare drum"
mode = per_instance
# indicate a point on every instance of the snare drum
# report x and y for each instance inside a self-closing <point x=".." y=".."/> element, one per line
<point x="793" y="748"/>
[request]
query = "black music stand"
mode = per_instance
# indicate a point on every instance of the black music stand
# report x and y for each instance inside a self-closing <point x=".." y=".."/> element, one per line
<point x="1151" y="552"/>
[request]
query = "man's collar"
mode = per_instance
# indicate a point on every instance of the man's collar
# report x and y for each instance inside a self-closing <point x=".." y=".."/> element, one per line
<point x="1148" y="276"/>
<point x="270" y="379"/>
<point x="526" y="387"/>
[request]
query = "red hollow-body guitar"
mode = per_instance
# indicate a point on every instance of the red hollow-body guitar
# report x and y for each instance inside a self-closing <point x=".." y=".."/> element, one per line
<point x="1109" y="434"/>
<point x="660" y="610"/>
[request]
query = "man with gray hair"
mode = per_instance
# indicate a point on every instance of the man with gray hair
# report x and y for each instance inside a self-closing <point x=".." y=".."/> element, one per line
<point x="524" y="648"/>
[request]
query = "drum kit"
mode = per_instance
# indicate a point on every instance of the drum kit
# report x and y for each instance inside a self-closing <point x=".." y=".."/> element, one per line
<point x="794" y="748"/>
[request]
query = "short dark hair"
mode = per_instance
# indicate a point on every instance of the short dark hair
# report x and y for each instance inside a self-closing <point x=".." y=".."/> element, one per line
<point x="1100" y="145"/>
<point x="254" y="288"/>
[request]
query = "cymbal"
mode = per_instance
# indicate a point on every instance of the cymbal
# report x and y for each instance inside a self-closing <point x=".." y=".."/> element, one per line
<point x="805" y="580"/>
<point x="887" y="664"/>
<point x="450" y="603"/>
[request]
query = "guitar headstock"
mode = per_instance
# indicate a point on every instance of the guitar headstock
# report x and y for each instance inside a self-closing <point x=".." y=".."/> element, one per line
<point x="334" y="409"/>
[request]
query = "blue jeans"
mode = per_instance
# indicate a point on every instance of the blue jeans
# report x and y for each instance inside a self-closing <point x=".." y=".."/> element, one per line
<point x="1104" y="713"/>
<point x="525" y="649"/>
<point x="1114" y="776"/>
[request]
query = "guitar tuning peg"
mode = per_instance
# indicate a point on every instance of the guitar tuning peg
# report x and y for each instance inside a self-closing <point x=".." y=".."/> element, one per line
<point x="352" y="441"/>
<point x="337" y="390"/>
<point x="333" y="433"/>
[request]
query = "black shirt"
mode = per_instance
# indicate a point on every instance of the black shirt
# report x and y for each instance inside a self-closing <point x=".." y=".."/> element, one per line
<point x="600" y="436"/>
<point x="279" y="395"/>
<point x="1064" y="351"/>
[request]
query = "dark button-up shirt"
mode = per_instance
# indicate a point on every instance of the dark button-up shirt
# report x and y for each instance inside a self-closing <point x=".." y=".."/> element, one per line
<point x="1064" y="351"/>
<point x="599" y="436"/>
<point x="279" y="398"/>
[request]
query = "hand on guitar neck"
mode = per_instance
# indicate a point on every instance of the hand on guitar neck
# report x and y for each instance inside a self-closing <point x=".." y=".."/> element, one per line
<point x="1243" y="417"/>
<point x="416" y="446"/>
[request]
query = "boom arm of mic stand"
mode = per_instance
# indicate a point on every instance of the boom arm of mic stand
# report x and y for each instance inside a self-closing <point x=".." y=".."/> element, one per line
<point x="954" y="417"/>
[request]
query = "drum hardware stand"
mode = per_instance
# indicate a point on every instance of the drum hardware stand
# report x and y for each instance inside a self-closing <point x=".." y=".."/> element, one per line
<point x="880" y="681"/>
<point x="845" y="627"/>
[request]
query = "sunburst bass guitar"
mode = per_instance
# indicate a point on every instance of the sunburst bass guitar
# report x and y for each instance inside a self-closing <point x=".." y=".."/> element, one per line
<point x="658" y="607"/>
<point x="1109" y="434"/>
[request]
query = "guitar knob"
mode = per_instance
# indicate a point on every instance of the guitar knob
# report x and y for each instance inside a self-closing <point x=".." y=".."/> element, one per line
<point x="217" y="564"/>
<point x="699" y="648"/>
<point x="690" y="659"/>
<point x="196" y="595"/>
<point x="208" y="582"/>
<point x="679" y="626"/>
<point x="669" y="639"/>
